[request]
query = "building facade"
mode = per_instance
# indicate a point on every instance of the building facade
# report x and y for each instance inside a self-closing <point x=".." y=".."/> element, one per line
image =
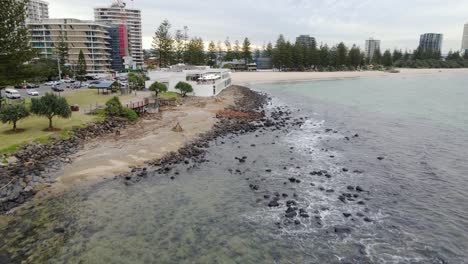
<point x="205" y="81"/>
<point x="372" y="45"/>
<point x="119" y="46"/>
<point x="118" y="14"/>
<point x="464" y="47"/>
<point x="90" y="37"/>
<point x="37" y="10"/>
<point x="431" y="41"/>
<point x="306" y="40"/>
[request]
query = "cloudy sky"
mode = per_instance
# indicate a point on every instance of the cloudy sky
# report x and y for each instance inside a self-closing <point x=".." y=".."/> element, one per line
<point x="397" y="23"/>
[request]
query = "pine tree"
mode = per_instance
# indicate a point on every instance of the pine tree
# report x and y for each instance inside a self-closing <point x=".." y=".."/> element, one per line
<point x="212" y="54"/>
<point x="387" y="59"/>
<point x="324" y="55"/>
<point x="163" y="44"/>
<point x="341" y="55"/>
<point x="268" y="52"/>
<point x="62" y="51"/>
<point x="355" y="56"/>
<point x="229" y="55"/>
<point x="180" y="46"/>
<point x="377" y="58"/>
<point x="237" y="50"/>
<point x="195" y="52"/>
<point x="81" y="68"/>
<point x="14" y="43"/>
<point x="246" y="51"/>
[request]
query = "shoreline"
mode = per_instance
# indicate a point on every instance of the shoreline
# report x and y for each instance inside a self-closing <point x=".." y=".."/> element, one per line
<point x="95" y="159"/>
<point x="265" y="77"/>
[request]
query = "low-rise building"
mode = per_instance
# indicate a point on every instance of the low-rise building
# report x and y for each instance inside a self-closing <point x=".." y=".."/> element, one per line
<point x="88" y="36"/>
<point x="205" y="81"/>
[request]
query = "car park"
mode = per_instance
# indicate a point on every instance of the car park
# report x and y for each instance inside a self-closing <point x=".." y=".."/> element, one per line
<point x="57" y="89"/>
<point x="69" y="80"/>
<point x="26" y="86"/>
<point x="32" y="92"/>
<point x="12" y="94"/>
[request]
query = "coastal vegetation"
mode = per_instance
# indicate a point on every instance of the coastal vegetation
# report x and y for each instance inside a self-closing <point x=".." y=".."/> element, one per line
<point x="184" y="88"/>
<point x="11" y="114"/>
<point x="50" y="106"/>
<point x="157" y="88"/>
<point x="114" y="108"/>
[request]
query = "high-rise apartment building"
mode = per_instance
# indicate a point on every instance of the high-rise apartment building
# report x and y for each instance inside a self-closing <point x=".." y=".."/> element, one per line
<point x="306" y="40"/>
<point x="464" y="47"/>
<point x="37" y="10"/>
<point x="118" y="14"/>
<point x="372" y="45"/>
<point x="119" y="46"/>
<point x="431" y="41"/>
<point x="88" y="36"/>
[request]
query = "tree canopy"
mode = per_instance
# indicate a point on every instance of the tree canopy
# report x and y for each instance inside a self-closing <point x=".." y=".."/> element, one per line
<point x="11" y="114"/>
<point x="50" y="106"/>
<point x="157" y="88"/>
<point x="184" y="88"/>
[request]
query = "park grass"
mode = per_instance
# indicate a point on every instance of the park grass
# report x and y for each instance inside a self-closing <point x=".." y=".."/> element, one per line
<point x="88" y="98"/>
<point x="32" y="128"/>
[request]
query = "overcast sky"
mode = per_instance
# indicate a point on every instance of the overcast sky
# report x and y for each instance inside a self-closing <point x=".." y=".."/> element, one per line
<point x="397" y="23"/>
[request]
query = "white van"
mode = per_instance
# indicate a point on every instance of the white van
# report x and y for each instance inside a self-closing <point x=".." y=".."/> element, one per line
<point x="12" y="94"/>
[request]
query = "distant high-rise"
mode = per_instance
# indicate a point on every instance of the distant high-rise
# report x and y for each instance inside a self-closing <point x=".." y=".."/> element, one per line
<point x="118" y="14"/>
<point x="465" y="39"/>
<point x="371" y="46"/>
<point x="431" y="41"/>
<point x="37" y="10"/>
<point x="306" y="40"/>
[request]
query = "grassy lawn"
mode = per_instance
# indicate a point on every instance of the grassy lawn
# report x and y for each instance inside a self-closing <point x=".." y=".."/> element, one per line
<point x="91" y="97"/>
<point x="168" y="95"/>
<point x="33" y="126"/>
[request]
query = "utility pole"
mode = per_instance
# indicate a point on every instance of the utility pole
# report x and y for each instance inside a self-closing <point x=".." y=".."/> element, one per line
<point x="59" y="70"/>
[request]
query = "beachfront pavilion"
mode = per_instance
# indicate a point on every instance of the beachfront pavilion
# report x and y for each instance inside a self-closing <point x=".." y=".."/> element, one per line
<point x="205" y="81"/>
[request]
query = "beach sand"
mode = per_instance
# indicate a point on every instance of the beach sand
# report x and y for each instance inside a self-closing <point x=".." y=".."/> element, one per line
<point x="149" y="139"/>
<point x="246" y="78"/>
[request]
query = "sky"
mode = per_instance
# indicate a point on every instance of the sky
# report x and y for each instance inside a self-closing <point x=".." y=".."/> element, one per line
<point x="397" y="23"/>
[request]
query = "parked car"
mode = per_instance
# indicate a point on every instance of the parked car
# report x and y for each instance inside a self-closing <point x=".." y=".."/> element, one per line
<point x="26" y="85"/>
<point x="77" y="85"/>
<point x="12" y="94"/>
<point x="32" y="92"/>
<point x="69" y="80"/>
<point x="56" y="88"/>
<point x="52" y="83"/>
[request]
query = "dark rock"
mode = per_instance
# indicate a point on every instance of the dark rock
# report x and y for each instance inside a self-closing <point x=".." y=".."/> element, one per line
<point x="291" y="214"/>
<point x="367" y="219"/>
<point x="273" y="203"/>
<point x="351" y="188"/>
<point x="345" y="170"/>
<point x="342" y="230"/>
<point x="359" y="189"/>
<point x="347" y="215"/>
<point x="380" y="158"/>
<point x="59" y="230"/>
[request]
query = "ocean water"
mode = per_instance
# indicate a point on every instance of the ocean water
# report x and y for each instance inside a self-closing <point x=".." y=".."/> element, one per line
<point x="413" y="208"/>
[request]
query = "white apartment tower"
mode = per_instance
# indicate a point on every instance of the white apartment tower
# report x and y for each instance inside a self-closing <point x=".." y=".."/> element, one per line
<point x="465" y="39"/>
<point x="118" y="14"/>
<point x="37" y="10"/>
<point x="88" y="36"/>
<point x="371" y="46"/>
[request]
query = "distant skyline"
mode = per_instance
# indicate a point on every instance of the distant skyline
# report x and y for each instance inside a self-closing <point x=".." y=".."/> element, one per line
<point x="398" y="23"/>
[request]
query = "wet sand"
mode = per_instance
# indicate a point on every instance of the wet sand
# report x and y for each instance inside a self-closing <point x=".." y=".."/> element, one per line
<point x="149" y="139"/>
<point x="245" y="78"/>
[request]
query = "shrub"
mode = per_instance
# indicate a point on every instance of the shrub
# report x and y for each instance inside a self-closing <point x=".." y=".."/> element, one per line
<point x="184" y="88"/>
<point x="114" y="107"/>
<point x="130" y="114"/>
<point x="157" y="88"/>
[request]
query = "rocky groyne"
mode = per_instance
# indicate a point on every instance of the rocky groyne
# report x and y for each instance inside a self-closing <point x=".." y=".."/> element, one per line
<point x="36" y="163"/>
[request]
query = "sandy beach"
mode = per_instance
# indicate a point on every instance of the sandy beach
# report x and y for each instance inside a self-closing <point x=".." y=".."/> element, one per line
<point x="151" y="138"/>
<point x="246" y="78"/>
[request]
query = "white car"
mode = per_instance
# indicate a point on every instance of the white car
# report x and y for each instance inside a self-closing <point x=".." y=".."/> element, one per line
<point x="32" y="92"/>
<point x="69" y="80"/>
<point x="12" y="94"/>
<point x="52" y="83"/>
